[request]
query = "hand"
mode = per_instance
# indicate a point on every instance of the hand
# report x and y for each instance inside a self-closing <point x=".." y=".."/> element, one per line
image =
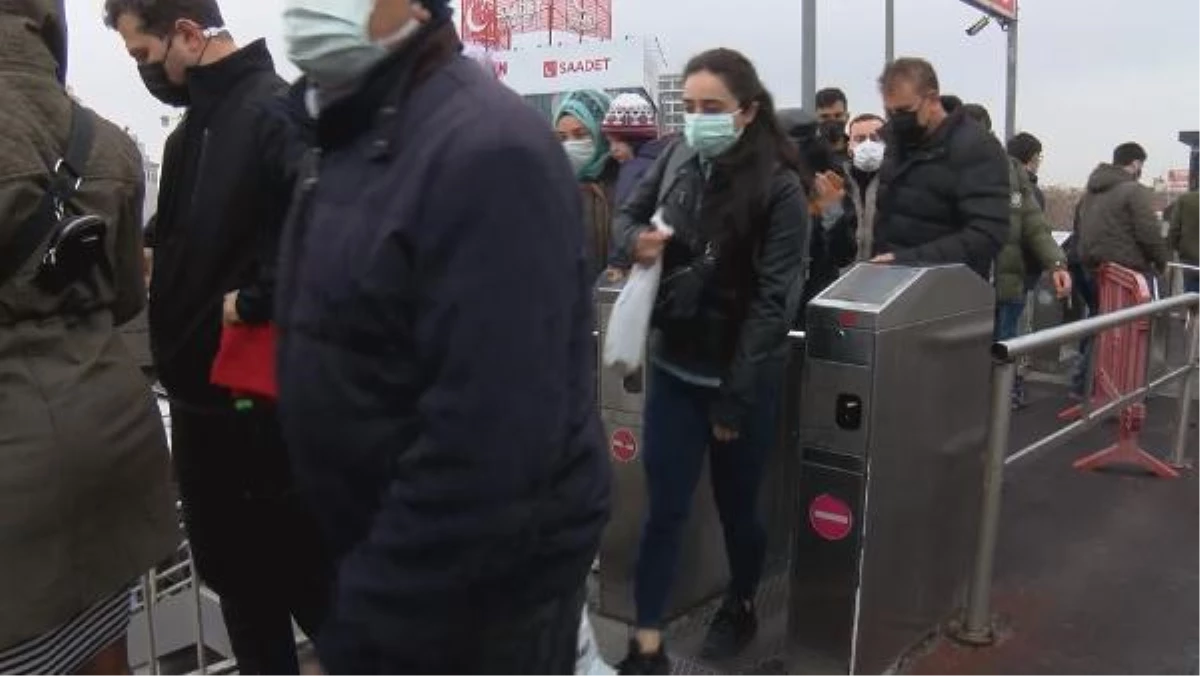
<point x="829" y="189"/>
<point x="231" y="314"/>
<point x="614" y="274"/>
<point x="650" y="245"/>
<point x="885" y="258"/>
<point x="724" y="434"/>
<point x="1062" y="283"/>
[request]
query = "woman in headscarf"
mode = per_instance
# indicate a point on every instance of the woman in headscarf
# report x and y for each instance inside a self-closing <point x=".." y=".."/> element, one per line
<point x="578" y="122"/>
<point x="631" y="127"/>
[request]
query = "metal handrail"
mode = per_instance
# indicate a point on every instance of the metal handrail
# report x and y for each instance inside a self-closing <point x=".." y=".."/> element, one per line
<point x="976" y="626"/>
<point x="1060" y="335"/>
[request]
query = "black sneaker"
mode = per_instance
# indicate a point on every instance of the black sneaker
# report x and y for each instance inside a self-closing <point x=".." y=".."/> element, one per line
<point x="638" y="662"/>
<point x="732" y="629"/>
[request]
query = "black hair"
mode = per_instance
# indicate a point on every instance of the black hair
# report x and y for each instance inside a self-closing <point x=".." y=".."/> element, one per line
<point x="1128" y="153"/>
<point x="864" y="118"/>
<point x="1024" y="147"/>
<point x="918" y="71"/>
<point x="979" y="114"/>
<point x="831" y="96"/>
<point x="951" y="103"/>
<point x="158" y="17"/>
<point x="744" y="173"/>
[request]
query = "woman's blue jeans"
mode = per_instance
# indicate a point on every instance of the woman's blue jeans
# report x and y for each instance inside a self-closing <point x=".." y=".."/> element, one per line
<point x="678" y="437"/>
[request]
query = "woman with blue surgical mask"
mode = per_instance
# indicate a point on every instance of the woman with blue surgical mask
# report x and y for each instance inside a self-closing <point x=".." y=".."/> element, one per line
<point x="578" y="122"/>
<point x="732" y="272"/>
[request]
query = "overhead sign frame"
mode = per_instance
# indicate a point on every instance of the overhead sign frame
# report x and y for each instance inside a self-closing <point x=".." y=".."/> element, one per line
<point x="1005" y="10"/>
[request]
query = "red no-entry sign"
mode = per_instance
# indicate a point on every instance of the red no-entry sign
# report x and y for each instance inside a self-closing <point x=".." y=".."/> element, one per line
<point x="623" y="445"/>
<point x="830" y="517"/>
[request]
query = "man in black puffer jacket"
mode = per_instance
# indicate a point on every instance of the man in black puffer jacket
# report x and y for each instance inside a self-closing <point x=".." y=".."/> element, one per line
<point x="944" y="185"/>
<point x="437" y="363"/>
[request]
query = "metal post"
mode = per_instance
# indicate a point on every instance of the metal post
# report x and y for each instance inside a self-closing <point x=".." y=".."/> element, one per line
<point x="149" y="594"/>
<point x="808" y="54"/>
<point x="977" y="626"/>
<point x="1010" y="99"/>
<point x="889" y="31"/>
<point x="198" y="597"/>
<point x="1178" y="459"/>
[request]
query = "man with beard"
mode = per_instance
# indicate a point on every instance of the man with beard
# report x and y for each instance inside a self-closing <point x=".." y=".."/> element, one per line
<point x="944" y="184"/>
<point x="226" y="185"/>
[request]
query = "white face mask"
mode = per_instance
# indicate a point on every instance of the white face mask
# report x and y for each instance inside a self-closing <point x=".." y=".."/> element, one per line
<point x="329" y="40"/>
<point x="868" y="156"/>
<point x="580" y="152"/>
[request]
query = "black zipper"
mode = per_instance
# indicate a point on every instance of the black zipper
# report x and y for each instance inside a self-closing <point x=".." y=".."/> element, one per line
<point x="200" y="173"/>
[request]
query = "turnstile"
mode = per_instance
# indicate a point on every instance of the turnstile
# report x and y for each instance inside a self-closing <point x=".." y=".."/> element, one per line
<point x="893" y="421"/>
<point x="702" y="572"/>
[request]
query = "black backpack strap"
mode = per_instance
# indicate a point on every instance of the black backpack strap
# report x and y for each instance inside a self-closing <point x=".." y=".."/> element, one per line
<point x="65" y="178"/>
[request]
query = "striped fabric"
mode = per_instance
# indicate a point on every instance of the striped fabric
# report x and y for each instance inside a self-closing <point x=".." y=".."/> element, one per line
<point x="66" y="649"/>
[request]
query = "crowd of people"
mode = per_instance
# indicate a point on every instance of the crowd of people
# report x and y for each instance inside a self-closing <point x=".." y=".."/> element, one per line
<point x="417" y="249"/>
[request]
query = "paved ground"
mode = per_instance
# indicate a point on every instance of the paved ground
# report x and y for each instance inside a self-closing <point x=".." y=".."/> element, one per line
<point x="1096" y="572"/>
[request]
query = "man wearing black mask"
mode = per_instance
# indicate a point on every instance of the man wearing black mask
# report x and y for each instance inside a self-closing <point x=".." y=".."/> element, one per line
<point x="833" y="112"/>
<point x="226" y="187"/>
<point x="944" y="184"/>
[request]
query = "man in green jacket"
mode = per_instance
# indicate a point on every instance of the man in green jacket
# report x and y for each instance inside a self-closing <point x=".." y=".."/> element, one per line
<point x="1183" y="236"/>
<point x="1028" y="238"/>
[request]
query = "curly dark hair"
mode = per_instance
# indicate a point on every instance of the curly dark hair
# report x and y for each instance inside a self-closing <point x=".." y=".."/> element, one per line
<point x="159" y="16"/>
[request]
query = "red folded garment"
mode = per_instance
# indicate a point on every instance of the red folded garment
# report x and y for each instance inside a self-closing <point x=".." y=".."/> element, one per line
<point x="245" y="364"/>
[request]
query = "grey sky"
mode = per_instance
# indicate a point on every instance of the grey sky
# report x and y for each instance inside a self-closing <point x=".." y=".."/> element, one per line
<point x="1094" y="73"/>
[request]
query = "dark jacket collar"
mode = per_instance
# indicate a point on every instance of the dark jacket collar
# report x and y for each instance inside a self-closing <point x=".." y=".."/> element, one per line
<point x="212" y="83"/>
<point x="388" y="82"/>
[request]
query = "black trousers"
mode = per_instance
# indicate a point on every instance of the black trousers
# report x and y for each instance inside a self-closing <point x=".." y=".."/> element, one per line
<point x="252" y="537"/>
<point x="542" y="639"/>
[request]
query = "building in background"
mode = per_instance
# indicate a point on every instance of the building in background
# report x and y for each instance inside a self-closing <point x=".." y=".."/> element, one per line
<point x="1192" y="140"/>
<point x="544" y="49"/>
<point x="543" y="75"/>
<point x="151" y="169"/>
<point x="670" y="103"/>
<point x="494" y="23"/>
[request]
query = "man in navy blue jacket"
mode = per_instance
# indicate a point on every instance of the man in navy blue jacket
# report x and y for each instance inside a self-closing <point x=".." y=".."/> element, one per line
<point x="436" y="366"/>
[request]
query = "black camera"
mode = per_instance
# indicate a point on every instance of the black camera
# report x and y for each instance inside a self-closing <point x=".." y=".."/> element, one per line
<point x="816" y="140"/>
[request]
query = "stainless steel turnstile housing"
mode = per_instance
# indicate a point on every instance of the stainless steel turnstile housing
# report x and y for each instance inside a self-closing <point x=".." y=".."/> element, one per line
<point x="702" y="572"/>
<point x="893" y="417"/>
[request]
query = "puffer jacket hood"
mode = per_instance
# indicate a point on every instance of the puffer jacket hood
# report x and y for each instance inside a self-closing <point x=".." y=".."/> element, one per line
<point x="43" y="18"/>
<point x="1106" y="177"/>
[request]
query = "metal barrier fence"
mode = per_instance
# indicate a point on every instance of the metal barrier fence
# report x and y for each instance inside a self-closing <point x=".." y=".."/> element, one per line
<point x="164" y="583"/>
<point x="976" y="628"/>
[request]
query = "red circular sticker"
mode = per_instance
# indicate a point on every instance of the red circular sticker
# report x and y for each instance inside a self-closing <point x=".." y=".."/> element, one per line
<point x="623" y="445"/>
<point x="830" y="517"/>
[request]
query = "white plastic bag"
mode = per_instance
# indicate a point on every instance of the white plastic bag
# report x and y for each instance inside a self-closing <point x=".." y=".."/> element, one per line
<point x="629" y="323"/>
<point x="588" y="661"/>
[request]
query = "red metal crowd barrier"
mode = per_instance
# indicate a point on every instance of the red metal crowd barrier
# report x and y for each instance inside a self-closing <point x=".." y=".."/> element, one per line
<point x="1119" y="364"/>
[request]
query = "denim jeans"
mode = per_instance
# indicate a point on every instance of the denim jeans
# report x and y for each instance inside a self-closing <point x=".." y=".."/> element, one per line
<point x="1008" y="319"/>
<point x="678" y="438"/>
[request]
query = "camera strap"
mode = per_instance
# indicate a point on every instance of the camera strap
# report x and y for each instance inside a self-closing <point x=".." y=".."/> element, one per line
<point x="66" y="177"/>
